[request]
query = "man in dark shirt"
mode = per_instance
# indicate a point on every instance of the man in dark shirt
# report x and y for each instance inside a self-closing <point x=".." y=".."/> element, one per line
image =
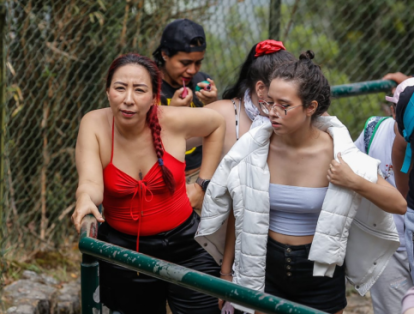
<point x="179" y="57"/>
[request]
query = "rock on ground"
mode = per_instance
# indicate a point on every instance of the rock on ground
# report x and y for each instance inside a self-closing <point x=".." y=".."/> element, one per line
<point x="41" y="294"/>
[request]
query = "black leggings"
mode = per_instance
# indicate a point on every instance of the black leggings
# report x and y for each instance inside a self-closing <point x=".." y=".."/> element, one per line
<point x="124" y="291"/>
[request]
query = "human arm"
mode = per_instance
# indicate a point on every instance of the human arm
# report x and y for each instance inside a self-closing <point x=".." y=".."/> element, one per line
<point x="207" y="97"/>
<point x="381" y="193"/>
<point x="398" y="155"/>
<point x="397" y="77"/>
<point x="211" y="126"/>
<point x="408" y="302"/>
<point x="226" y="271"/>
<point x="89" y="193"/>
<point x="212" y="147"/>
<point x="199" y="122"/>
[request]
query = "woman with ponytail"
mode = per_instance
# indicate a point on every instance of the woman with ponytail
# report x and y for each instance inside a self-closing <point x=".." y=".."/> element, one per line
<point x="302" y="220"/>
<point x="130" y="158"/>
<point x="240" y="106"/>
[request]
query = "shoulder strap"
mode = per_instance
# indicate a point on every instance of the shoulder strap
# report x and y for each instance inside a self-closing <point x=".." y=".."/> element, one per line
<point x="370" y="129"/>
<point x="237" y="113"/>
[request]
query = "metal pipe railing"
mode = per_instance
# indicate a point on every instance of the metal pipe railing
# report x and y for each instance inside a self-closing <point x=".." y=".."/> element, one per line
<point x="362" y="88"/>
<point x="170" y="272"/>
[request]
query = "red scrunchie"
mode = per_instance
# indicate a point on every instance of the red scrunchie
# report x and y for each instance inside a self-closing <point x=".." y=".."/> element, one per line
<point x="267" y="47"/>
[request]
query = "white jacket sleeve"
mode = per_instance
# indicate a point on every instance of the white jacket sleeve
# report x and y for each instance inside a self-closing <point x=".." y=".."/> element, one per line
<point x="211" y="233"/>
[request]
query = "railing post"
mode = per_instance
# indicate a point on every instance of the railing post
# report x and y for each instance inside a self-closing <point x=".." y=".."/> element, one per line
<point x="275" y="8"/>
<point x="2" y="108"/>
<point x="90" y="271"/>
<point x="90" y="285"/>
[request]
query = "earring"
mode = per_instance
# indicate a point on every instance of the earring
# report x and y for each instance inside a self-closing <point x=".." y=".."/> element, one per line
<point x="164" y="58"/>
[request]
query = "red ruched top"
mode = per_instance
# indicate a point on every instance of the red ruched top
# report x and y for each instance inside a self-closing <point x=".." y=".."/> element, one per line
<point x="145" y="207"/>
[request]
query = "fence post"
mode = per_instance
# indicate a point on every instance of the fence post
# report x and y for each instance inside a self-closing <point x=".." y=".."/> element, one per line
<point x="90" y="271"/>
<point x="2" y="108"/>
<point x="90" y="285"/>
<point x="274" y="19"/>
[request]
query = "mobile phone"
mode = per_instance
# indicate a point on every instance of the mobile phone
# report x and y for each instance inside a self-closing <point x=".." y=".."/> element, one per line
<point x="206" y="88"/>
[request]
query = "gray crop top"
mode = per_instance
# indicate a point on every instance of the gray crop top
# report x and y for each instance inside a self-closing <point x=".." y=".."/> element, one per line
<point x="295" y="210"/>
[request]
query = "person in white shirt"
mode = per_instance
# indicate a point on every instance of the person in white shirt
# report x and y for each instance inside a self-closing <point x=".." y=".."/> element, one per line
<point x="376" y="140"/>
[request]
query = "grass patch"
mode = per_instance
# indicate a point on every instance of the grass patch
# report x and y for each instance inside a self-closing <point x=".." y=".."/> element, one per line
<point x="63" y="265"/>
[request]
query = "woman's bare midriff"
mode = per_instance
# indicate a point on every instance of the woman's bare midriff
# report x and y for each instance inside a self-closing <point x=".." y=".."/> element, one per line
<point x="290" y="240"/>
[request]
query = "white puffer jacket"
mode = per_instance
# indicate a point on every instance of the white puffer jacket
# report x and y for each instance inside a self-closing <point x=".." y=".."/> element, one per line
<point x="349" y="228"/>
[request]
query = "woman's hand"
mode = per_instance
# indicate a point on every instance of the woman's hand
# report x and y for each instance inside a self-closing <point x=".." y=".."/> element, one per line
<point x="381" y="193"/>
<point x="177" y="101"/>
<point x="398" y="77"/>
<point x="339" y="173"/>
<point x="85" y="206"/>
<point x="195" y="195"/>
<point x="207" y="97"/>
<point x="228" y="278"/>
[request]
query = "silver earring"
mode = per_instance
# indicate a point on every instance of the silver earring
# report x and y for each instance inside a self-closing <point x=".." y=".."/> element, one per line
<point x="164" y="58"/>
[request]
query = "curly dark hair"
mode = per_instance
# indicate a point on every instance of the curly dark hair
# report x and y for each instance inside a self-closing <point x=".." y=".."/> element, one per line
<point x="312" y="84"/>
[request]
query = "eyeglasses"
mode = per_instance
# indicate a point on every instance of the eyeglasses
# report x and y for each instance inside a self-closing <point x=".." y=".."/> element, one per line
<point x="268" y="106"/>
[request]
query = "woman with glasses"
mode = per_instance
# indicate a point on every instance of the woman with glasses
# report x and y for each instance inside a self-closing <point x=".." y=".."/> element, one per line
<point x="299" y="214"/>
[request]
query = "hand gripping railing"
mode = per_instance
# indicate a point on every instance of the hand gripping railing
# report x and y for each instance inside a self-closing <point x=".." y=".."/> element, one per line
<point x="89" y="269"/>
<point x="93" y="249"/>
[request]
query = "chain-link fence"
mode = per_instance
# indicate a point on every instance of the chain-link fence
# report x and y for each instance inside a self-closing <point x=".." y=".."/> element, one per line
<point x="58" y="53"/>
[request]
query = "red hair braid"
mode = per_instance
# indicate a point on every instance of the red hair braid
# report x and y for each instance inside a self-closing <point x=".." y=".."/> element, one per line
<point x="152" y="120"/>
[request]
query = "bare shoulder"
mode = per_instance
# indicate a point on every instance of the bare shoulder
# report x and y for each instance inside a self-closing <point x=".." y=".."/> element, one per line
<point x="325" y="141"/>
<point x="96" y="119"/>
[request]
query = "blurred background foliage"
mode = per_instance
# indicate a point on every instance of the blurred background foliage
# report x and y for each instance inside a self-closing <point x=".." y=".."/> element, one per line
<point x="58" y="53"/>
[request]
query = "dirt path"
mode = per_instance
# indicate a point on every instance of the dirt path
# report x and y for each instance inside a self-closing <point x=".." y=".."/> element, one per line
<point x="358" y="304"/>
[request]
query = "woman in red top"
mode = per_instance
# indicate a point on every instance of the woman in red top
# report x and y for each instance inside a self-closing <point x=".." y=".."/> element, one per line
<point x="130" y="157"/>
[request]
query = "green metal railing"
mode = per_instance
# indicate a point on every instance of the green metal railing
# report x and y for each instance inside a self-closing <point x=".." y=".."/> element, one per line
<point x="94" y="249"/>
<point x="361" y="88"/>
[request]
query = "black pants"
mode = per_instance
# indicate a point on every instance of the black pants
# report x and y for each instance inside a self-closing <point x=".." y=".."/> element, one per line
<point x="289" y="275"/>
<point x="125" y="291"/>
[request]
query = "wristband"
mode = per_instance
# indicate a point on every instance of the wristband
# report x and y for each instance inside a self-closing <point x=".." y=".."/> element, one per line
<point x="203" y="183"/>
<point x="229" y="274"/>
